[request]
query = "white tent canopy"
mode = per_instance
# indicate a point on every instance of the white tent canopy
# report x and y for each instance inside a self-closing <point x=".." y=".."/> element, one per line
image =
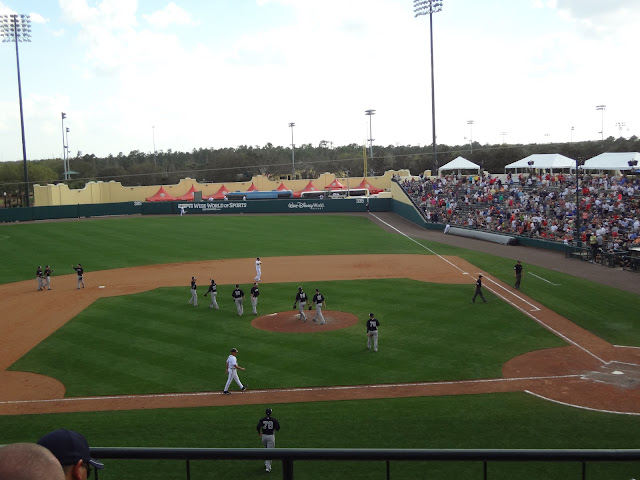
<point x="459" y="164"/>
<point x="618" y="161"/>
<point x="543" y="161"/>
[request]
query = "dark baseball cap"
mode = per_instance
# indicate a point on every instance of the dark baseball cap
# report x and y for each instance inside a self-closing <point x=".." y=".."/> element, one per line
<point x="234" y="350"/>
<point x="69" y="447"/>
<point x="268" y="411"/>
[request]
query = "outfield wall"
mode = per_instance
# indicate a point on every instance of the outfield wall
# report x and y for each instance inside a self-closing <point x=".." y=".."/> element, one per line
<point x="115" y="192"/>
<point x="329" y="205"/>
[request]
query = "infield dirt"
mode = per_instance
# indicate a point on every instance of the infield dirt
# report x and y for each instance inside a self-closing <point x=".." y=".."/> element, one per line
<point x="588" y="373"/>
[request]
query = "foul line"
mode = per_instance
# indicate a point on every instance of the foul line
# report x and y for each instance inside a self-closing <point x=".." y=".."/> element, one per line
<point x="529" y="314"/>
<point x="545" y="280"/>
<point x="287" y="390"/>
<point x="578" y="406"/>
<point x="423" y="246"/>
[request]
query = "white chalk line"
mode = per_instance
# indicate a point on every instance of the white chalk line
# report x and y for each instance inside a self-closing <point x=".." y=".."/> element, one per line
<point x="284" y="390"/>
<point x="579" y="406"/>
<point x="529" y="314"/>
<point x="423" y="246"/>
<point x="533" y="307"/>
<point x="545" y="280"/>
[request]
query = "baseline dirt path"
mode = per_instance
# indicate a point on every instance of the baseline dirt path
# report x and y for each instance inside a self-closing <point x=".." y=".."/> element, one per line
<point x="589" y="373"/>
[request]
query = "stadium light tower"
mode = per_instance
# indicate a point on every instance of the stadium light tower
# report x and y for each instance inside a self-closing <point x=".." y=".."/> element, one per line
<point x="293" y="153"/>
<point x="17" y="28"/>
<point x="429" y="7"/>
<point x="65" y="169"/>
<point x="470" y="123"/>
<point x="370" y="113"/>
<point x="602" y="108"/>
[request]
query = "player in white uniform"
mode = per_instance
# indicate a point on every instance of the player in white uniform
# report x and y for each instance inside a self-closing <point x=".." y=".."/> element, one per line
<point x="258" y="269"/>
<point x="232" y="371"/>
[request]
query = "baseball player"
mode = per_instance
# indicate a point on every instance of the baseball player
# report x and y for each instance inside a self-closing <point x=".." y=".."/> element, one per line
<point x="194" y="294"/>
<point x="301" y="299"/>
<point x="47" y="276"/>
<point x="267" y="428"/>
<point x="39" y="277"/>
<point x="258" y="269"/>
<point x="478" y="290"/>
<point x="80" y="271"/>
<point x="318" y="300"/>
<point x="232" y="371"/>
<point x="254" y="298"/>
<point x="238" y="297"/>
<point x="213" y="289"/>
<point x="372" y="332"/>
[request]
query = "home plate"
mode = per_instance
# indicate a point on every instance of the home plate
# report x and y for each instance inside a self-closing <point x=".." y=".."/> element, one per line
<point x="101" y="286"/>
<point x="617" y="372"/>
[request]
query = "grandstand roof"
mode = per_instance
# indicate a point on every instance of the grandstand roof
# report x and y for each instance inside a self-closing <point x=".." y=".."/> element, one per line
<point x="459" y="163"/>
<point x="612" y="161"/>
<point x="543" y="161"/>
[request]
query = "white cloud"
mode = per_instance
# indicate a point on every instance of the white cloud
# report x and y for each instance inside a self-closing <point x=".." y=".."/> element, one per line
<point x="37" y="18"/>
<point x="169" y="15"/>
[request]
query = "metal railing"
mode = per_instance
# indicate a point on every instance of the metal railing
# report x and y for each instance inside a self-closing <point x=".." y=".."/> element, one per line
<point x="290" y="455"/>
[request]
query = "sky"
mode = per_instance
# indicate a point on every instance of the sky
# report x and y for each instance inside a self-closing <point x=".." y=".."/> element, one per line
<point x="184" y="74"/>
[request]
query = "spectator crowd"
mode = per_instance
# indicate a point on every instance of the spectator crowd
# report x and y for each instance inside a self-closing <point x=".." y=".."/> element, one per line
<point x="604" y="209"/>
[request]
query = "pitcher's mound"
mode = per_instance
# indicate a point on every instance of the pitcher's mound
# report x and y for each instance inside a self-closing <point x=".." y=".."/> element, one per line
<point x="289" y="322"/>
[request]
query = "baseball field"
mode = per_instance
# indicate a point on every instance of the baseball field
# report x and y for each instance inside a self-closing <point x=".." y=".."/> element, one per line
<point x="128" y="362"/>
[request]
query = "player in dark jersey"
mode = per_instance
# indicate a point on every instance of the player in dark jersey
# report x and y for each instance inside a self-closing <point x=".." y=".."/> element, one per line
<point x="194" y="294"/>
<point x="238" y="297"/>
<point x="372" y="332"/>
<point x="318" y="300"/>
<point x="213" y="290"/>
<point x="478" y="290"/>
<point x="254" y="298"/>
<point x="40" y="277"/>
<point x="301" y="300"/>
<point x="80" y="271"/>
<point x="267" y="428"/>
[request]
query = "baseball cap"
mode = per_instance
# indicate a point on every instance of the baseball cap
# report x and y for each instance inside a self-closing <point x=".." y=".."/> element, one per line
<point x="268" y="411"/>
<point x="234" y="350"/>
<point x="69" y="447"/>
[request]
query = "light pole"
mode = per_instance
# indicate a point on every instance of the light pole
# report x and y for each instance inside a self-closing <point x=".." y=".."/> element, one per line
<point x="602" y="108"/>
<point x="470" y="123"/>
<point x="548" y="135"/>
<point x="65" y="169"/>
<point x="620" y="126"/>
<point x="155" y="156"/>
<point x="17" y="28"/>
<point x="68" y="150"/>
<point x="370" y="113"/>
<point x="504" y="134"/>
<point x="293" y="153"/>
<point x="571" y="138"/>
<point x="429" y="7"/>
<point x="578" y="161"/>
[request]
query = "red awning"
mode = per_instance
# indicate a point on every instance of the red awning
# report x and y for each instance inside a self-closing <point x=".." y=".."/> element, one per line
<point x="188" y="197"/>
<point x="160" y="196"/>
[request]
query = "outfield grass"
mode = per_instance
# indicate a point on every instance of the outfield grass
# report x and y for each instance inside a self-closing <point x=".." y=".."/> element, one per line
<point x="507" y="420"/>
<point x="126" y="242"/>
<point x="155" y="342"/>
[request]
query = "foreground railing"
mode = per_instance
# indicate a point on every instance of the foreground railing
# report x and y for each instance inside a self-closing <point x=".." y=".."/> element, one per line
<point x="290" y="455"/>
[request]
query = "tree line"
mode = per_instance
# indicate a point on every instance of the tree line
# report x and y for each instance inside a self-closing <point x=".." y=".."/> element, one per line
<point x="243" y="162"/>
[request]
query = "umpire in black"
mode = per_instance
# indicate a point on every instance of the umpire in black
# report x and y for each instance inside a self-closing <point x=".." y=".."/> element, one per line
<point x="267" y="428"/>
